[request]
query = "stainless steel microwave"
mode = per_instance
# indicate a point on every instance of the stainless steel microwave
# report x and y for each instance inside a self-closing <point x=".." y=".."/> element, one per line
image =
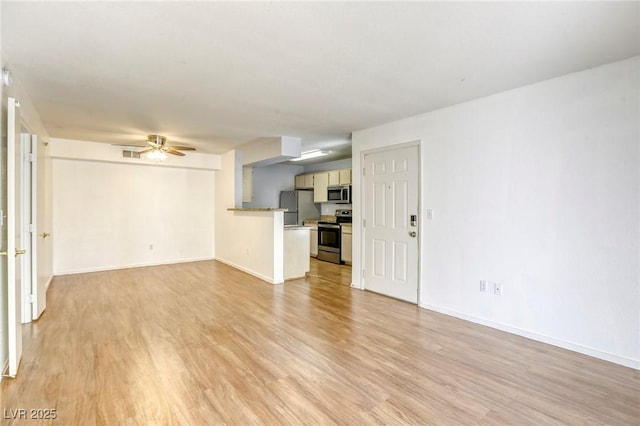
<point x="339" y="194"/>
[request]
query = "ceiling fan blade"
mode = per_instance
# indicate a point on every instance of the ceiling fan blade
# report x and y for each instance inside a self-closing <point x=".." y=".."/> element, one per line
<point x="144" y="151"/>
<point x="182" y="148"/>
<point x="170" y="150"/>
<point x="128" y="144"/>
<point x="153" y="144"/>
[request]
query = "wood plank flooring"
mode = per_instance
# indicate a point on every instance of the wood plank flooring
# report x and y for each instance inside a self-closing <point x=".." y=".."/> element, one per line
<point x="202" y="343"/>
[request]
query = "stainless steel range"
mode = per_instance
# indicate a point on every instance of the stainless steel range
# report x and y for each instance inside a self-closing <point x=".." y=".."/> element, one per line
<point x="329" y="237"/>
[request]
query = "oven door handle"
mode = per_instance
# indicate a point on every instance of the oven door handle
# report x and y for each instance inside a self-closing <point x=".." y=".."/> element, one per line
<point x="329" y="226"/>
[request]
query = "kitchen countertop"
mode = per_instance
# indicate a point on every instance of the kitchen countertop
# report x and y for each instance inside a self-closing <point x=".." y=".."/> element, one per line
<point x="323" y="218"/>
<point x="295" y="227"/>
<point x="256" y="209"/>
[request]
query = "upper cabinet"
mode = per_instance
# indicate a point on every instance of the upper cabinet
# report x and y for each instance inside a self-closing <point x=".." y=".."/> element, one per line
<point x="344" y="176"/>
<point x="339" y="177"/>
<point x="320" y="185"/>
<point x="334" y="177"/>
<point x="320" y="181"/>
<point x="304" y="181"/>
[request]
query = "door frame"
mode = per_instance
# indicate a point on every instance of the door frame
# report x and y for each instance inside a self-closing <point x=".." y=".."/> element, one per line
<point x="393" y="147"/>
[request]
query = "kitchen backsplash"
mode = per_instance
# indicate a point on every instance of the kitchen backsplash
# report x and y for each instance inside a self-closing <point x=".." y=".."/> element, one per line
<point x="330" y="208"/>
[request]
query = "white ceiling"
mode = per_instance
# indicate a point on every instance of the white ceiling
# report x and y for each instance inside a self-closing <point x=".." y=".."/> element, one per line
<point x="216" y="75"/>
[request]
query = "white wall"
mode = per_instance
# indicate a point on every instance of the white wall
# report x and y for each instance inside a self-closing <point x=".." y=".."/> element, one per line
<point x="536" y="188"/>
<point x="108" y="215"/>
<point x="269" y="181"/>
<point x="330" y="208"/>
<point x="249" y="241"/>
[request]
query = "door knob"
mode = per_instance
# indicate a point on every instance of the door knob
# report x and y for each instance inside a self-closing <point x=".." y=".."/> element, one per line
<point x="412" y="234"/>
<point x="18" y="252"/>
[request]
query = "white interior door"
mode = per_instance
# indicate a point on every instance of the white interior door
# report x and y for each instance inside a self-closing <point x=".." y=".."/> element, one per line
<point x="28" y="226"/>
<point x="13" y="251"/>
<point x="391" y="249"/>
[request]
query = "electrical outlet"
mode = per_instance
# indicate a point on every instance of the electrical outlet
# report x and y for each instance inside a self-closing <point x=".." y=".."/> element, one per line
<point x="497" y="289"/>
<point x="483" y="286"/>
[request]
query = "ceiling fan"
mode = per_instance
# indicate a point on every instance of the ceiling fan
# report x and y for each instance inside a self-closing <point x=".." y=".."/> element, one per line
<point x="157" y="148"/>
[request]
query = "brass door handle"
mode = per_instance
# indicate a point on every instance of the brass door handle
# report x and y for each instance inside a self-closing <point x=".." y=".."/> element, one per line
<point x="18" y="252"/>
<point x="45" y="234"/>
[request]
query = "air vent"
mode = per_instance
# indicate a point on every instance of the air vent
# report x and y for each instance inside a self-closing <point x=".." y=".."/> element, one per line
<point x="130" y="154"/>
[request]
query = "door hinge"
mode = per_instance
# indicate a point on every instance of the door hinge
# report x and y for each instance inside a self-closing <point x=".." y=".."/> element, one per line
<point x="30" y="157"/>
<point x="30" y="298"/>
<point x="364" y="171"/>
<point x="31" y="227"/>
<point x="364" y="223"/>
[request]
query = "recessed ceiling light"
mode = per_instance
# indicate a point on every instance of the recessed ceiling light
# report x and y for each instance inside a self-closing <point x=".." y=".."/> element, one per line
<point x="311" y="154"/>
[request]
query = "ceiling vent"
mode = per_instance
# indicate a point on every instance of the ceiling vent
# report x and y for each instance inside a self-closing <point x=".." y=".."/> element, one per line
<point x="130" y="154"/>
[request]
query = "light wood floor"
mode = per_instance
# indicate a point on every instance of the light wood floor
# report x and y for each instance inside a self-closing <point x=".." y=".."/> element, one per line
<point x="201" y="343"/>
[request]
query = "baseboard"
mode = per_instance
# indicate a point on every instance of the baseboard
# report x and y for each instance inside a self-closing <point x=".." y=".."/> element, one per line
<point x="616" y="359"/>
<point x="48" y="283"/>
<point x="249" y="271"/>
<point x="135" y="265"/>
<point x="5" y="368"/>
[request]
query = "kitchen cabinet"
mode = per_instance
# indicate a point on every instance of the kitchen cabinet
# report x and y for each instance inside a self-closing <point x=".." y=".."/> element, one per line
<point x="320" y="185"/>
<point x="344" y="177"/>
<point x="334" y="177"/>
<point x="313" y="243"/>
<point x="247" y="184"/>
<point x="322" y="180"/>
<point x="296" y="254"/>
<point x="309" y="180"/>
<point x="347" y="244"/>
<point x="304" y="181"/>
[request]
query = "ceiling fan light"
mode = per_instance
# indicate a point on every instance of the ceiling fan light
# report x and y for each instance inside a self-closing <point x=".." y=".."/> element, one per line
<point x="157" y="155"/>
